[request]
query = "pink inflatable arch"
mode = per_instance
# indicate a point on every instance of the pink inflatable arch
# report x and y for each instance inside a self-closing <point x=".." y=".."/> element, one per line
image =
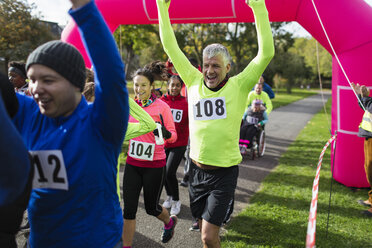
<point x="348" y="24"/>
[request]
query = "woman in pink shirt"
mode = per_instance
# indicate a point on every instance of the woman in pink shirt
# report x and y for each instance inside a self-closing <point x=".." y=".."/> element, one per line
<point x="145" y="165"/>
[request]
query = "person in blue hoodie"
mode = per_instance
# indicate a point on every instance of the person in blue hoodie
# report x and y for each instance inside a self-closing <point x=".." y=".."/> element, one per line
<point x="75" y="145"/>
<point x="15" y="169"/>
<point x="266" y="87"/>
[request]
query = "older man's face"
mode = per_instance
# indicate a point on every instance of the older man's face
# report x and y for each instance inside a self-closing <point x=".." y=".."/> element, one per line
<point x="214" y="70"/>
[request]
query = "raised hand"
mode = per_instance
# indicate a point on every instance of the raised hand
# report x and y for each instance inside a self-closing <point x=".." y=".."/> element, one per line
<point x="252" y="3"/>
<point x="356" y="88"/>
<point x="364" y="91"/>
<point x="79" y="3"/>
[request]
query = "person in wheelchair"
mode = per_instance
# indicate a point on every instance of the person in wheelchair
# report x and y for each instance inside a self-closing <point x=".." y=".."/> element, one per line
<point x="254" y="119"/>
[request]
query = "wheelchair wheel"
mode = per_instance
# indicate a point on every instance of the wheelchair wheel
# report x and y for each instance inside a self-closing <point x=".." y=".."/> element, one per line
<point x="261" y="144"/>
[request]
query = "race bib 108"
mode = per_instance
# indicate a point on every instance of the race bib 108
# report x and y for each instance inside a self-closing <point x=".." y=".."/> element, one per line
<point x="210" y="109"/>
<point x="50" y="170"/>
<point x="141" y="150"/>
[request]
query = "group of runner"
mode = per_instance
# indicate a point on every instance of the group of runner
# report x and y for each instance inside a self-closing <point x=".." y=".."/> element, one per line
<point x="74" y="145"/>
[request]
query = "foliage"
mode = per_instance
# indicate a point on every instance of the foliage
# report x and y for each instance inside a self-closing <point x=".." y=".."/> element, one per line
<point x="286" y="66"/>
<point x="308" y="49"/>
<point x="278" y="214"/>
<point x="20" y="32"/>
<point x="192" y="38"/>
<point x="294" y="63"/>
<point x="241" y="41"/>
<point x="133" y="40"/>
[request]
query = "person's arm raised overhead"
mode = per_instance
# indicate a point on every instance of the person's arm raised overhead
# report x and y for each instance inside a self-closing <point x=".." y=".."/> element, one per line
<point x="183" y="66"/>
<point x="266" y="50"/>
<point x="110" y="108"/>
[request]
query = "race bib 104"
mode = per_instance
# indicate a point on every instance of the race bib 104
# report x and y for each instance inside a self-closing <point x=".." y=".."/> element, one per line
<point x="210" y="109"/>
<point x="50" y="170"/>
<point x="141" y="150"/>
<point x="177" y="115"/>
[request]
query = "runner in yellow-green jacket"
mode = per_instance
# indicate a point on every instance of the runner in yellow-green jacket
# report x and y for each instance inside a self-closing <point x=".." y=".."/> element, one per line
<point x="216" y="106"/>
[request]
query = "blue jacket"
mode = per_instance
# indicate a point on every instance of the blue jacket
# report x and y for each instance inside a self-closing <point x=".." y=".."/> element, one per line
<point x="88" y="213"/>
<point x="268" y="90"/>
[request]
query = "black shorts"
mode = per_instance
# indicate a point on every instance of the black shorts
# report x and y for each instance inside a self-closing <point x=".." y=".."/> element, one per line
<point x="212" y="192"/>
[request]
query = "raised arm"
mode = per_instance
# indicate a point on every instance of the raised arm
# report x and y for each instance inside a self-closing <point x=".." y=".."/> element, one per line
<point x="146" y="123"/>
<point x="256" y="67"/>
<point x="110" y="108"/>
<point x="186" y="70"/>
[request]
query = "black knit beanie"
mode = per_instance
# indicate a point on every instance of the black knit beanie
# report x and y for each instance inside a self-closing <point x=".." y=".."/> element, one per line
<point x="61" y="57"/>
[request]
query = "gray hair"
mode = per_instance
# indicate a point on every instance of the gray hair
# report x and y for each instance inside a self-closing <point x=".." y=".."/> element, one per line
<point x="215" y="49"/>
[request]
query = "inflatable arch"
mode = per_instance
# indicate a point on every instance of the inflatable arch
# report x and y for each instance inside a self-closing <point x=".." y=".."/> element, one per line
<point x="349" y="27"/>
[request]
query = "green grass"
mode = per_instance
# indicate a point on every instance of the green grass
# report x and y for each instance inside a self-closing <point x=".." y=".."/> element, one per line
<point x="278" y="213"/>
<point x="282" y="98"/>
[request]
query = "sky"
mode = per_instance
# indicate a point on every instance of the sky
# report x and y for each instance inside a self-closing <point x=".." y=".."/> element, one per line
<point x="57" y="12"/>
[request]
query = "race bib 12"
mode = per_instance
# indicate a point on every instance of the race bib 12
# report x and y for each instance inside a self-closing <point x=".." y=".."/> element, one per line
<point x="50" y="170"/>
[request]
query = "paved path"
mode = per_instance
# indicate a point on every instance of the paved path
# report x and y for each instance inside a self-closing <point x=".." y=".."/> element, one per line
<point x="282" y="129"/>
<point x="284" y="125"/>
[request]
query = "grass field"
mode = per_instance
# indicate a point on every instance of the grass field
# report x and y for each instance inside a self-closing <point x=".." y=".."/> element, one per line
<point x="278" y="213"/>
<point x="282" y="98"/>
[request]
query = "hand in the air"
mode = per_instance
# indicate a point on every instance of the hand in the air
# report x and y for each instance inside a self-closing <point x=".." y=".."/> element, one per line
<point x="252" y="3"/>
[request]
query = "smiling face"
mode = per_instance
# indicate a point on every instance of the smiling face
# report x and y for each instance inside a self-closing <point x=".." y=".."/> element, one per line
<point x="258" y="89"/>
<point x="174" y="87"/>
<point x="17" y="80"/>
<point x="142" y="87"/>
<point x="54" y="94"/>
<point x="214" y="70"/>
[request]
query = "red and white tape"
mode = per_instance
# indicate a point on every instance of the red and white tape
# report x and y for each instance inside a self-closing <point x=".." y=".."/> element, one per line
<point x="310" y="237"/>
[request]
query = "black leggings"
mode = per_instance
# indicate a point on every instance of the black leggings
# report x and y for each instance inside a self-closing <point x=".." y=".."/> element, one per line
<point x="151" y="179"/>
<point x="174" y="157"/>
<point x="247" y="131"/>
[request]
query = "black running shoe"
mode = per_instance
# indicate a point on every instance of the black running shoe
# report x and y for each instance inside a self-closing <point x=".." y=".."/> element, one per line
<point x="168" y="233"/>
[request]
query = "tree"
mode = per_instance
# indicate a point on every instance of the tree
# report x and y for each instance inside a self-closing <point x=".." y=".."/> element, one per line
<point x="308" y="49"/>
<point x="20" y="32"/>
<point x="134" y="40"/>
<point x="241" y="40"/>
<point x="193" y="38"/>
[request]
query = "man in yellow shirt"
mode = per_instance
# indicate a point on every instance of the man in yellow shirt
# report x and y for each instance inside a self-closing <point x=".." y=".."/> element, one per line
<point x="216" y="106"/>
<point x="258" y="94"/>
